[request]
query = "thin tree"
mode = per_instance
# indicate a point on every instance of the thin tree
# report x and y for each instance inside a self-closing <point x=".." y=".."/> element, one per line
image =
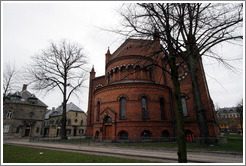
<point x="63" y="66"/>
<point x="10" y="77"/>
<point x="203" y="26"/>
<point x="141" y="22"/>
<point x="179" y="27"/>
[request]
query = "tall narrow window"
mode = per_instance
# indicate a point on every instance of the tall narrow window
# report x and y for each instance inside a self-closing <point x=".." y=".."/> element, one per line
<point x="108" y="78"/>
<point x="6" y="128"/>
<point x="144" y="109"/>
<point x="98" y="110"/>
<point x="150" y="74"/>
<point x="162" y="109"/>
<point x="184" y="107"/>
<point x="122" y="108"/>
<point x="69" y="122"/>
<point x="9" y="115"/>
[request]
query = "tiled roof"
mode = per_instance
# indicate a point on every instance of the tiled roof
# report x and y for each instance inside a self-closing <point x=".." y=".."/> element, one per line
<point x="134" y="47"/>
<point x="24" y="97"/>
<point x="70" y="107"/>
<point x="227" y="109"/>
<point x="47" y="115"/>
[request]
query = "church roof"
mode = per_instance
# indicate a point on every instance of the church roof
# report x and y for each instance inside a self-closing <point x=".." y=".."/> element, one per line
<point x="134" y="47"/>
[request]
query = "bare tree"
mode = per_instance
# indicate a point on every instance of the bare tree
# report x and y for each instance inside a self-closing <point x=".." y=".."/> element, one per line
<point x="147" y="22"/>
<point x="10" y="77"/>
<point x="61" y="66"/>
<point x="202" y="27"/>
<point x="187" y="32"/>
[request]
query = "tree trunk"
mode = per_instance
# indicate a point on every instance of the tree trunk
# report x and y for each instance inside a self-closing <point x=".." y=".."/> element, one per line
<point x="64" y="114"/>
<point x="182" y="153"/>
<point x="198" y="104"/>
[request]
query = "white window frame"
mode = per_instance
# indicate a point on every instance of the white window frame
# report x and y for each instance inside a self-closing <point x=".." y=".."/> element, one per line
<point x="6" y="128"/>
<point x="9" y="115"/>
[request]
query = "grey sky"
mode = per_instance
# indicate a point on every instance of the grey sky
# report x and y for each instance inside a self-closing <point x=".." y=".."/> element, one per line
<point x="29" y="27"/>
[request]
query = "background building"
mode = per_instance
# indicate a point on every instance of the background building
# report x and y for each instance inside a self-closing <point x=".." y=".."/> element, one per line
<point x="134" y="99"/>
<point x="76" y="121"/>
<point x="229" y="120"/>
<point x="23" y="114"/>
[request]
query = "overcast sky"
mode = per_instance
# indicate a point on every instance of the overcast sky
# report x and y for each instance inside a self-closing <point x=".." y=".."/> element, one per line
<point x="29" y="27"/>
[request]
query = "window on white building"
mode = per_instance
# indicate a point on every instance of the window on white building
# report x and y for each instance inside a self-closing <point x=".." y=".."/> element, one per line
<point x="6" y="128"/>
<point x="9" y="115"/>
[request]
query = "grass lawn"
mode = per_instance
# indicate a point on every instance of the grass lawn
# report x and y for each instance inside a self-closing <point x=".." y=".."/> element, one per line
<point x="21" y="154"/>
<point x="234" y="144"/>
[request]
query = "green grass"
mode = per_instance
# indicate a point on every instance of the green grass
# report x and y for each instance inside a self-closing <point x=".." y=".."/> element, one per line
<point x="21" y="154"/>
<point x="233" y="144"/>
<point x="233" y="135"/>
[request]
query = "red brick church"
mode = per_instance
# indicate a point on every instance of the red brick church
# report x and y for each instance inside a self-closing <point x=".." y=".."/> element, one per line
<point x="134" y="99"/>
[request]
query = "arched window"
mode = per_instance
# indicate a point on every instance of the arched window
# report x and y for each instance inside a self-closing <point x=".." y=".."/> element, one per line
<point x="81" y="123"/>
<point x="144" y="109"/>
<point x="97" y="135"/>
<point x="184" y="107"/>
<point x="123" y="74"/>
<point x="123" y="135"/>
<point x="144" y="73"/>
<point x="137" y="72"/>
<point x="107" y="119"/>
<point x="189" y="136"/>
<point x="162" y="108"/>
<point x="117" y="74"/>
<point x="111" y="75"/>
<point x="146" y="134"/>
<point x="98" y="110"/>
<point x="123" y="108"/>
<point x="130" y="72"/>
<point x="149" y="73"/>
<point x="9" y="115"/>
<point x="108" y="76"/>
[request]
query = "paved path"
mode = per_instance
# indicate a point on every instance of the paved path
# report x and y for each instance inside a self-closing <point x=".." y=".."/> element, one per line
<point x="146" y="154"/>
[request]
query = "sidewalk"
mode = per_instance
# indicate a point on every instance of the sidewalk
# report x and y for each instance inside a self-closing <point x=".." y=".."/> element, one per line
<point x="147" y="154"/>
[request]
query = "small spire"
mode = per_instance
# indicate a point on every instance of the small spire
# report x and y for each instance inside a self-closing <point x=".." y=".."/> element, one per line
<point x="108" y="52"/>
<point x="92" y="70"/>
<point x="156" y="34"/>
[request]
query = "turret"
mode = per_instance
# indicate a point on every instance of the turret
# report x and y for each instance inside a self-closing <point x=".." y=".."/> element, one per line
<point x="92" y="73"/>
<point x="107" y="55"/>
<point x="89" y="111"/>
<point x="156" y="37"/>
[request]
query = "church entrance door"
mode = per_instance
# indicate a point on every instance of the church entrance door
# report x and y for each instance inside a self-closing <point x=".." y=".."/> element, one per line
<point x="107" y="125"/>
<point x="108" y="132"/>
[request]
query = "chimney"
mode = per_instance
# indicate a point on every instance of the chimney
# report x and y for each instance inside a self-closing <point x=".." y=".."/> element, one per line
<point x="24" y="87"/>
